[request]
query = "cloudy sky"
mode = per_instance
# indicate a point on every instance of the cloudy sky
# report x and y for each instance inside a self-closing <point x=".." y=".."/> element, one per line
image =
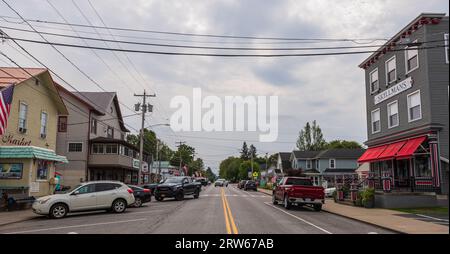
<point x="329" y="89"/>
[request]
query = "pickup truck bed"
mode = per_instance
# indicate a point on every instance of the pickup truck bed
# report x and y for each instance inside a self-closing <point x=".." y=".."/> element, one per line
<point x="300" y="191"/>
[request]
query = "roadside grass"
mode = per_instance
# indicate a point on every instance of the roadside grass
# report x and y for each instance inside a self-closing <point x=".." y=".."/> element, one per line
<point x="441" y="210"/>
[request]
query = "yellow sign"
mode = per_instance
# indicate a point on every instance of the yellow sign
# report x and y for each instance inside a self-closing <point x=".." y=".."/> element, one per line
<point x="255" y="174"/>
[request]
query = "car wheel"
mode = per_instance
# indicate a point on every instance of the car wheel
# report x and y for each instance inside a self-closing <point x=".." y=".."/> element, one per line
<point x="317" y="208"/>
<point x="274" y="200"/>
<point x="119" y="206"/>
<point x="159" y="198"/>
<point x="179" y="196"/>
<point x="287" y="204"/>
<point x="58" y="211"/>
<point x="196" y="194"/>
<point x="138" y="202"/>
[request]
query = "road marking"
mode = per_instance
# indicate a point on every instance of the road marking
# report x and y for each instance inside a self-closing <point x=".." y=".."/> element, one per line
<point x="72" y="233"/>
<point x="233" y="225"/>
<point x="159" y="210"/>
<point x="76" y="226"/>
<point x="433" y="218"/>
<point x="227" y="222"/>
<point x="372" y="233"/>
<point x="298" y="218"/>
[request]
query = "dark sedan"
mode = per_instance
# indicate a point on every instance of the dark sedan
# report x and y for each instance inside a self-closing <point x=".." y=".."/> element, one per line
<point x="177" y="187"/>
<point x="141" y="195"/>
<point x="250" y="185"/>
<point x="150" y="186"/>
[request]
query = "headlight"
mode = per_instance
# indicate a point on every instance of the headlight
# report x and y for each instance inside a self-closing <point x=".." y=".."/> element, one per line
<point x="43" y="201"/>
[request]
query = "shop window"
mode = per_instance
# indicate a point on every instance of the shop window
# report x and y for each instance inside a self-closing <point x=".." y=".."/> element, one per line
<point x="42" y="171"/>
<point x="76" y="147"/>
<point x="43" y="129"/>
<point x="11" y="170"/>
<point x="374" y="84"/>
<point x="392" y="109"/>
<point x="376" y="124"/>
<point x="422" y="166"/>
<point x="412" y="58"/>
<point x="391" y="71"/>
<point x="97" y="148"/>
<point x="414" y="106"/>
<point x="62" y="124"/>
<point x="23" y="111"/>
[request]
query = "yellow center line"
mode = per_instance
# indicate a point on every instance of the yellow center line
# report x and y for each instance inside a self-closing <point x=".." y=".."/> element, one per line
<point x="227" y="205"/>
<point x="227" y="223"/>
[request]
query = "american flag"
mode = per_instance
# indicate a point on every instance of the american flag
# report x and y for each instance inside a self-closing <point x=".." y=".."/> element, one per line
<point x="6" y="96"/>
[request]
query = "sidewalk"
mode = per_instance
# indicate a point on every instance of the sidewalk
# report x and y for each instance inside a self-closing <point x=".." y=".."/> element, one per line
<point x="384" y="218"/>
<point x="16" y="216"/>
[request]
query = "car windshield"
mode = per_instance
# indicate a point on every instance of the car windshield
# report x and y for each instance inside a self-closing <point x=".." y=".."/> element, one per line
<point x="174" y="180"/>
<point x="298" y="181"/>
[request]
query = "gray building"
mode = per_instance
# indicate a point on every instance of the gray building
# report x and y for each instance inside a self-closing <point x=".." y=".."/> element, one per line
<point x="92" y="137"/>
<point x="407" y="100"/>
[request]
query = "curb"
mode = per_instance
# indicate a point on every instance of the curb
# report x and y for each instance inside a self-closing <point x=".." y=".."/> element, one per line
<point x="348" y="217"/>
<point x="17" y="221"/>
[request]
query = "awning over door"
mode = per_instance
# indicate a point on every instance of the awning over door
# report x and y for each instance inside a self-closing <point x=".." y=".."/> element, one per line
<point x="371" y="154"/>
<point x="30" y="152"/>
<point x="410" y="147"/>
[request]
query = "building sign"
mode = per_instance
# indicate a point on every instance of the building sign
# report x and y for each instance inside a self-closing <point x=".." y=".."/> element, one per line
<point x="145" y="167"/>
<point x="135" y="163"/>
<point x="10" y="140"/>
<point x="11" y="170"/>
<point x="392" y="91"/>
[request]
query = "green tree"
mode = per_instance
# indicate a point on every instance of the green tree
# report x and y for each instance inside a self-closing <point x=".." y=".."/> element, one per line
<point x="185" y="152"/>
<point x="252" y="152"/>
<point x="343" y="144"/>
<point x="195" y="166"/>
<point x="311" y="138"/>
<point x="244" y="152"/>
<point x="210" y="174"/>
<point x="245" y="167"/>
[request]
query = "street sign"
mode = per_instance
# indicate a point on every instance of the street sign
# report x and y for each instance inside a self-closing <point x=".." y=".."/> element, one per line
<point x="255" y="174"/>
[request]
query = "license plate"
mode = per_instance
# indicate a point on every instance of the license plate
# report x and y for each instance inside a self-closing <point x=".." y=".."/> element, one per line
<point x="163" y="195"/>
<point x="307" y="199"/>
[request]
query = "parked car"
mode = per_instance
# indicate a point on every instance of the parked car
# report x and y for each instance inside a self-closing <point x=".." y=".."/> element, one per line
<point x="241" y="184"/>
<point x="329" y="192"/>
<point x="220" y="182"/>
<point x="150" y="186"/>
<point x="250" y="185"/>
<point x="300" y="191"/>
<point x="141" y="195"/>
<point x="88" y="196"/>
<point x="226" y="183"/>
<point x="177" y="187"/>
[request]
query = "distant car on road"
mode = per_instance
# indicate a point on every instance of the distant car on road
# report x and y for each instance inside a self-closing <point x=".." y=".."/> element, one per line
<point x="88" y="196"/>
<point x="241" y="184"/>
<point x="250" y="185"/>
<point x="141" y="195"/>
<point x="221" y="182"/>
<point x="300" y="191"/>
<point x="329" y="192"/>
<point x="177" y="187"/>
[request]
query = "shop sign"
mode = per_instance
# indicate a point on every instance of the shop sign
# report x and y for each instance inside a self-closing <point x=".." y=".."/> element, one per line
<point x="135" y="163"/>
<point x="394" y="90"/>
<point x="11" y="170"/>
<point x="9" y="139"/>
<point x="144" y="167"/>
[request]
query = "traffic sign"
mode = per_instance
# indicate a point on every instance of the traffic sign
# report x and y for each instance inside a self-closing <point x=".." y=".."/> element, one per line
<point x="255" y="174"/>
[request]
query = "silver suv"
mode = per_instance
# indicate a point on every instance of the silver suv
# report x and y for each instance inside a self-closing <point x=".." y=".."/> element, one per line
<point x="88" y="196"/>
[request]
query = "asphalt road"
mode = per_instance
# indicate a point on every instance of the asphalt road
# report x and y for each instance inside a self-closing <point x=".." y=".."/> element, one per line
<point x="217" y="211"/>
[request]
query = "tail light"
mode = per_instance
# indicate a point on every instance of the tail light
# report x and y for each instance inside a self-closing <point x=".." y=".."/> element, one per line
<point x="130" y="191"/>
<point x="147" y="191"/>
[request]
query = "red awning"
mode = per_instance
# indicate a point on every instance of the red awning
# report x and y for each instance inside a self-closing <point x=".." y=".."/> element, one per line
<point x="391" y="151"/>
<point x="410" y="147"/>
<point x="371" y="154"/>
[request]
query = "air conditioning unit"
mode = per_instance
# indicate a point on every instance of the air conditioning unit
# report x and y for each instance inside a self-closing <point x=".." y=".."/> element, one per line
<point x="22" y="130"/>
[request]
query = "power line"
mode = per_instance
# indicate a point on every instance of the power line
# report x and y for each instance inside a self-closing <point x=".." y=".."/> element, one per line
<point x="205" y="35"/>
<point x="221" y="55"/>
<point x="204" y="47"/>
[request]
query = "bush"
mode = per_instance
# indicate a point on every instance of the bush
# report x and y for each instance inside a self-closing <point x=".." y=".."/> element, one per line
<point x="368" y="197"/>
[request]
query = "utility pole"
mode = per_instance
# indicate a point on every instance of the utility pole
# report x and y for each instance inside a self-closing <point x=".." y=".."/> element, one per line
<point x="144" y="108"/>
<point x="179" y="151"/>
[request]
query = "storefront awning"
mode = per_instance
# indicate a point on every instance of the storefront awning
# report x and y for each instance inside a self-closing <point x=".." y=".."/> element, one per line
<point x="371" y="154"/>
<point x="30" y="152"/>
<point x="410" y="147"/>
<point x="391" y="150"/>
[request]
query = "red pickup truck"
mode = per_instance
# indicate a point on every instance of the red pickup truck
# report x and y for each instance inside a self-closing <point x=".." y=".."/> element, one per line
<point x="300" y="191"/>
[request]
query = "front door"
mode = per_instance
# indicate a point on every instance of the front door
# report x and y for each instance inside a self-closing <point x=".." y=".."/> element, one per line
<point x="401" y="174"/>
<point x="84" y="198"/>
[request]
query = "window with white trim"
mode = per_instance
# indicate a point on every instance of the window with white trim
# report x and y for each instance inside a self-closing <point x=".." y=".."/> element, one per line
<point x="412" y="58"/>
<point x="98" y="149"/>
<point x="447" y="56"/>
<point x="317" y="164"/>
<point x="414" y="106"/>
<point x="391" y="70"/>
<point x="75" y="147"/>
<point x="392" y="109"/>
<point x="111" y="149"/>
<point x="23" y="111"/>
<point x="332" y="163"/>
<point x="376" y="123"/>
<point x="308" y="164"/>
<point x="43" y="131"/>
<point x="373" y="79"/>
